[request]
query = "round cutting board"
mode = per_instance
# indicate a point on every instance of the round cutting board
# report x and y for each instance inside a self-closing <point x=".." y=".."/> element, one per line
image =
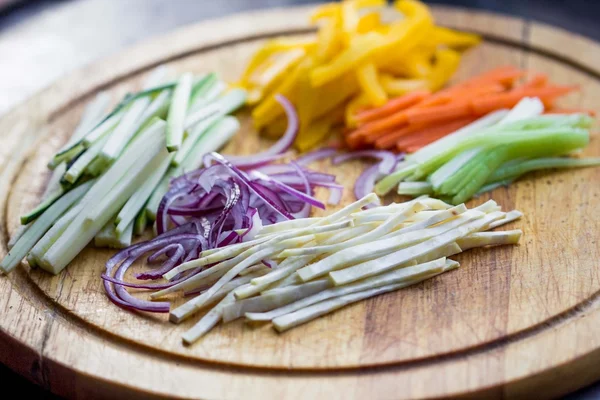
<point x="511" y="322"/>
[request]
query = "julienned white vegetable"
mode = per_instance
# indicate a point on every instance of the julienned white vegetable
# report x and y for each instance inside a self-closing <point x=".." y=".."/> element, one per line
<point x="122" y="150"/>
<point x="325" y="265"/>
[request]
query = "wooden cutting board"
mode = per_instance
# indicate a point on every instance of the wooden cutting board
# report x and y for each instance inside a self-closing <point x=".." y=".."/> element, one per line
<point x="515" y="321"/>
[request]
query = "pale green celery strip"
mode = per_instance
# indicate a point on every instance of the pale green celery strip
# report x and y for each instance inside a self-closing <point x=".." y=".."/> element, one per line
<point x="494" y="185"/>
<point x="212" y="140"/>
<point x="414" y="188"/>
<point x="137" y="201"/>
<point x="444" y="173"/>
<point x="81" y="230"/>
<point x="141" y="222"/>
<point x="177" y="111"/>
<point x="41" y="226"/>
<point x="385" y="185"/>
<point x="81" y="164"/>
<point x="508" y="171"/>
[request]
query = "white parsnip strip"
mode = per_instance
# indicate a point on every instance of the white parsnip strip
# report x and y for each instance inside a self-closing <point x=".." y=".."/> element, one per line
<point x="396" y="276"/>
<point x="374" y="267"/>
<point x="286" y="225"/>
<point x="208" y="321"/>
<point x="274" y="299"/>
<point x="304" y="315"/>
<point x="375" y="250"/>
<point x="480" y="239"/>
<point x="509" y="217"/>
<point x="392" y="221"/>
<point x="371" y="198"/>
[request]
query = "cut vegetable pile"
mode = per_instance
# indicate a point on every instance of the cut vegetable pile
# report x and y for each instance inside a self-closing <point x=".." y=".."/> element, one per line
<point x="491" y="152"/>
<point x="409" y="122"/>
<point x="364" y="53"/>
<point x="108" y="179"/>
<point x="294" y="271"/>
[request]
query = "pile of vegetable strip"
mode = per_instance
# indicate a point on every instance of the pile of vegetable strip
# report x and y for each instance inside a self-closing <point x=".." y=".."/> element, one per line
<point x="364" y="52"/>
<point x="293" y="271"/>
<point x="491" y="152"/>
<point x="407" y="123"/>
<point x="109" y="177"/>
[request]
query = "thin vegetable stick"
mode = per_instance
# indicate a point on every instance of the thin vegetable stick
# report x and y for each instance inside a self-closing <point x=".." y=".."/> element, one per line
<point x="480" y="239"/>
<point x="446" y="112"/>
<point x="389" y="139"/>
<point x="369" y="83"/>
<point x="393" y="106"/>
<point x="396" y="276"/>
<point x="428" y="135"/>
<point x="374" y="267"/>
<point x="510" y="99"/>
<point x="509" y="217"/>
<point x="207" y="322"/>
<point x="538" y="81"/>
<point x="296" y="318"/>
<point x="561" y="110"/>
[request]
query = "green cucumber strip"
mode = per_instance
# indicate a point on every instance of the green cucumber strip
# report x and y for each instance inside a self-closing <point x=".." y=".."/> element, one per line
<point x="109" y="193"/>
<point x="90" y="117"/>
<point x="202" y="87"/>
<point x="177" y="111"/>
<point x="507" y="170"/>
<point x="195" y="134"/>
<point x="66" y="156"/>
<point x="21" y="229"/>
<point x="108" y="125"/>
<point x="97" y="167"/>
<point x="212" y="140"/>
<point x="137" y="201"/>
<point x="161" y="189"/>
<point x="141" y="222"/>
<point x="43" y="206"/>
<point x="107" y="237"/>
<point x="83" y="162"/>
<point x="158" y="108"/>
<point x="41" y="226"/>
<point x="53" y="191"/>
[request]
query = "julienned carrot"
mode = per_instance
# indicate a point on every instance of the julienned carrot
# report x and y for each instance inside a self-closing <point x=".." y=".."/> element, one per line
<point x="382" y="125"/>
<point x="392" y="106"/>
<point x="538" y="81"/>
<point x="443" y="113"/>
<point x="427" y="135"/>
<point x="389" y="139"/>
<point x="451" y="94"/>
<point x="484" y="105"/>
<point x="503" y="75"/>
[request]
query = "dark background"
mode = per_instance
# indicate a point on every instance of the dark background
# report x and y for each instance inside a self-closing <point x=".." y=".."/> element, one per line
<point x="55" y="34"/>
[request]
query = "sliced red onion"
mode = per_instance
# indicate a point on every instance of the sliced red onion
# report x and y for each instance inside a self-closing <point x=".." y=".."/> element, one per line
<point x="387" y="159"/>
<point x="366" y="181"/>
<point x="281" y="146"/>
<point x="320" y="154"/>
<point x="305" y="211"/>
<point x="288" y="189"/>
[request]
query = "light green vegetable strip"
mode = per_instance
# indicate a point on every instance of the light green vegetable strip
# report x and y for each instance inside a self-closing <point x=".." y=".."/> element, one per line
<point x="21" y="229"/>
<point x="494" y="185"/>
<point x="107" y="237"/>
<point x="131" y="167"/>
<point x="296" y="318"/>
<point x="82" y="163"/>
<point x="106" y="126"/>
<point x="137" y="201"/>
<point x="440" y="176"/>
<point x="510" y="171"/>
<point x="141" y="222"/>
<point x="161" y="189"/>
<point x="414" y="188"/>
<point x="395" y="276"/>
<point x="66" y="156"/>
<point x="40" y="226"/>
<point x="177" y="112"/>
<point x="385" y="185"/>
<point x="53" y="191"/>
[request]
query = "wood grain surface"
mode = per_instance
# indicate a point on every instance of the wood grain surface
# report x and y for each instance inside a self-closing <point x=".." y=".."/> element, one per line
<point x="512" y="322"/>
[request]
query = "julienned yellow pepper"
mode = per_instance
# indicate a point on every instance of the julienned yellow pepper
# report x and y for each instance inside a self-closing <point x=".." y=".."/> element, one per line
<point x="446" y="64"/>
<point x="357" y="60"/>
<point x="369" y="83"/>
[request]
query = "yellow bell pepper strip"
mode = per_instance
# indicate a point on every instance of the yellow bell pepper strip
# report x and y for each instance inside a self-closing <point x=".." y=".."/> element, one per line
<point x="315" y="133"/>
<point x="324" y="11"/>
<point x="350" y="20"/>
<point x="263" y="81"/>
<point x="398" y="86"/>
<point x="269" y="108"/>
<point x="446" y="64"/>
<point x="333" y="94"/>
<point x="369" y="22"/>
<point x="353" y="108"/>
<point x="453" y="39"/>
<point x="369" y="83"/>
<point x="329" y="38"/>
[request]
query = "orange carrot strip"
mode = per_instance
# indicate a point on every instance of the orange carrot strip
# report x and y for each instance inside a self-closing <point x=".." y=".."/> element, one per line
<point x="388" y="140"/>
<point x="427" y="135"/>
<point x="442" y="113"/>
<point x="392" y="106"/>
<point x="503" y="75"/>
<point x="486" y="104"/>
<point x="538" y="81"/>
<point x="455" y="92"/>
